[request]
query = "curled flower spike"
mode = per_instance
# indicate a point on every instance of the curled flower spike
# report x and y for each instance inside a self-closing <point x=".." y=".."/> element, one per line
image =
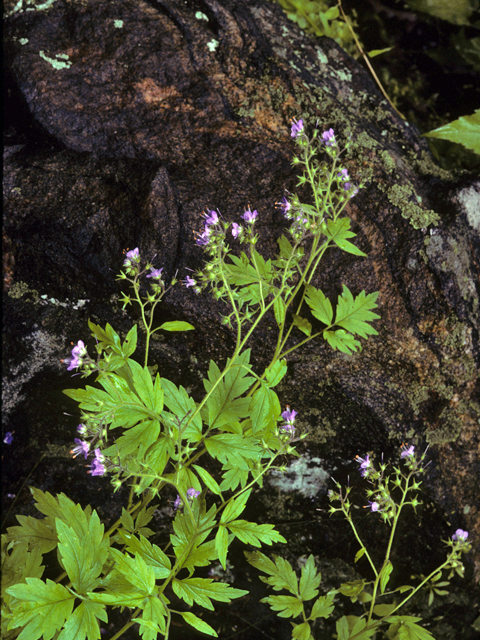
<point x="460" y="535"/>
<point x="236" y="230"/>
<point x="189" y="282"/>
<point x="329" y="138"/>
<point x="155" y="273"/>
<point x="79" y="351"/>
<point x="365" y="464"/>
<point x="249" y="216"/>
<point x="98" y="468"/>
<point x="82" y="447"/>
<point x="297" y="128"/>
<point x="131" y="257"/>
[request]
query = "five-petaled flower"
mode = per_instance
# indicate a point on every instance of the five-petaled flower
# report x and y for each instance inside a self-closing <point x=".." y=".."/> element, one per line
<point x="98" y="468"/>
<point x="289" y="416"/>
<point x="297" y="128"/>
<point x="82" y="447"/>
<point x="189" y="282"/>
<point x="365" y="464"/>
<point x="211" y="218"/>
<point x="284" y="205"/>
<point x="249" y="216"/>
<point x="329" y="138"/>
<point x="79" y="351"/>
<point x="204" y="237"/>
<point x="460" y="535"/>
<point x="236" y="230"/>
<point x="131" y="257"/>
<point x="408" y="453"/>
<point x="155" y="273"/>
<point x="374" y="506"/>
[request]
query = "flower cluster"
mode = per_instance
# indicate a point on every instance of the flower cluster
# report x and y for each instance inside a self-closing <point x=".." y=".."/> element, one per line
<point x="289" y="416"/>
<point x="211" y="220"/>
<point x="191" y="495"/>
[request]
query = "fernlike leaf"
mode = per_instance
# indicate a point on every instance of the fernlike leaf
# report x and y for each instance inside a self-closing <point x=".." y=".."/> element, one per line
<point x="342" y="341"/>
<point x="309" y="580"/>
<point x="224" y="404"/>
<point x="35" y="532"/>
<point x="323" y="607"/>
<point x="302" y="632"/>
<point x="464" y="131"/>
<point x="198" y="623"/>
<point x="83" y="559"/>
<point x="135" y="570"/>
<point x="203" y="590"/>
<point x="338" y="231"/>
<point x="281" y="574"/>
<point x="40" y="607"/>
<point x="301" y="323"/>
<point x="255" y="534"/>
<point x="233" y="449"/>
<point x="83" y="623"/>
<point x="354" y="314"/>
<point x="319" y="304"/>
<point x="286" y="606"/>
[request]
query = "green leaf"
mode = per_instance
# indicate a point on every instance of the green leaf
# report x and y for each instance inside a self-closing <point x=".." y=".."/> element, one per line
<point x="275" y="373"/>
<point x="198" y="623"/>
<point x="183" y="407"/>
<point x="221" y="545"/>
<point x="41" y="607"/>
<point x="405" y="628"/>
<point x="235" y="507"/>
<point x="385" y="575"/>
<point x="151" y="553"/>
<point x="153" y="617"/>
<point x="233" y="477"/>
<point x="203" y="590"/>
<point x="286" y="606"/>
<point x="255" y="534"/>
<point x="319" y="304"/>
<point x="281" y="574"/>
<point x="176" y="325"/>
<point x="323" y="607"/>
<point x="464" y="131"/>
<point x="309" y="580"/>
<point x="83" y="622"/>
<point x="352" y="589"/>
<point x="135" y="570"/>
<point x="279" y="309"/>
<point x="338" y="231"/>
<point x="209" y="481"/>
<point x="360" y="553"/>
<point x="383" y="610"/>
<point x="83" y="558"/>
<point x="224" y="404"/>
<point x="151" y="396"/>
<point x="301" y="323"/>
<point x="354" y="314"/>
<point x="457" y="12"/>
<point x="377" y="52"/>
<point x="35" y="532"/>
<point x="234" y="449"/>
<point x="342" y="341"/>
<point x="135" y="440"/>
<point x="302" y="632"/>
<point x="264" y="410"/>
<point x="342" y="628"/>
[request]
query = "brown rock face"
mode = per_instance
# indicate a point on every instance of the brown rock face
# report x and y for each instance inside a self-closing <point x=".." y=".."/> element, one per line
<point x="142" y="114"/>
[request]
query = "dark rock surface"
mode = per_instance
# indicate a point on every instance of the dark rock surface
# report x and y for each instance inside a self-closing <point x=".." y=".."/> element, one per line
<point x="156" y="114"/>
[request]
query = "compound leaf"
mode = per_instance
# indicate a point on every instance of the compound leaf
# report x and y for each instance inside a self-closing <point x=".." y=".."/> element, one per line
<point x="354" y="314"/>
<point x="255" y="534"/>
<point x="319" y="304"/>
<point x="203" y="590"/>
<point x="286" y="606"/>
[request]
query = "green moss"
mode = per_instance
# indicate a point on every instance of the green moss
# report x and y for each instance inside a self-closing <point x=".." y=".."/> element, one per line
<point x="388" y="162"/>
<point x="400" y="195"/>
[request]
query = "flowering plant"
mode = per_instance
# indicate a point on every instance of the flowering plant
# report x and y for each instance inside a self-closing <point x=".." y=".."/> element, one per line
<point x="140" y="428"/>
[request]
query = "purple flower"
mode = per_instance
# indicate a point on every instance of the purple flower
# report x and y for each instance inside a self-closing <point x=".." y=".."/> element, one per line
<point x="191" y="494"/>
<point x="98" y="468"/>
<point x="212" y="218"/>
<point x="82" y="429"/>
<point x="189" y="282"/>
<point x="460" y="535"/>
<point x="289" y="416"/>
<point x="297" y="128"/>
<point x="82" y="447"/>
<point x="407" y="453"/>
<point x="364" y="464"/>
<point x="155" y="273"/>
<point x="284" y="205"/>
<point x="249" y="216"/>
<point x="374" y="506"/>
<point x="236" y="230"/>
<point x="78" y="353"/>
<point x="204" y="238"/>
<point x="131" y="256"/>
<point x="8" y="438"/>
<point x="329" y="138"/>
<point x="178" y="502"/>
<point x="343" y="175"/>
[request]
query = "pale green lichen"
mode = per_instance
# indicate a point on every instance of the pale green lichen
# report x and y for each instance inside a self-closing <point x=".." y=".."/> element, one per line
<point x="400" y="195"/>
<point x="118" y="24"/>
<point x="60" y="61"/>
<point x="388" y="161"/>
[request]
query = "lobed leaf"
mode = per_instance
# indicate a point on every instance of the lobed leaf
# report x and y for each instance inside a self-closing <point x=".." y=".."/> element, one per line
<point x="319" y="304"/>
<point x="286" y="606"/>
<point x="255" y="534"/>
<point x="203" y="590"/>
<point x="198" y="623"/>
<point x="339" y="230"/>
<point x="309" y="580"/>
<point x="354" y="314"/>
